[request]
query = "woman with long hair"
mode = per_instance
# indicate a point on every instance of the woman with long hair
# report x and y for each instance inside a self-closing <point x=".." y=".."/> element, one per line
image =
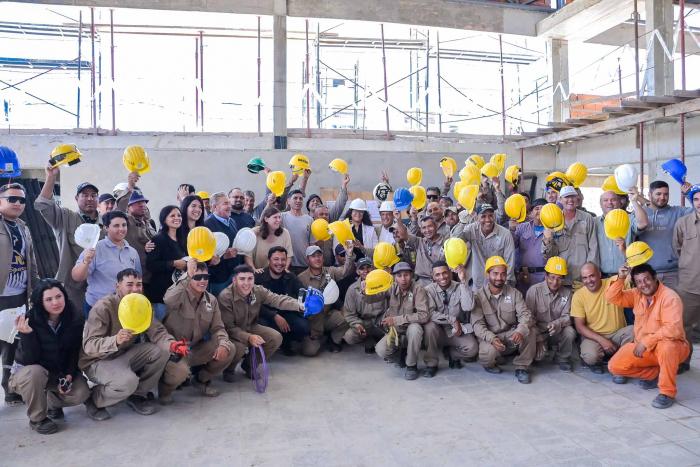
<point x="362" y="228"/>
<point x="269" y="233"/>
<point x="192" y="210"/>
<point x="45" y="370"/>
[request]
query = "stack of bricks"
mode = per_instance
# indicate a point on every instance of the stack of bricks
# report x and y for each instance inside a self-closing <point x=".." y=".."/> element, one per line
<point x="581" y="111"/>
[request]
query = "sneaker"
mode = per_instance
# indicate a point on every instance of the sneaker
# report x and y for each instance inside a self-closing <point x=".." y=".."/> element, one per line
<point x="411" y="372"/>
<point x="455" y="364"/>
<point x="287" y="350"/>
<point x="648" y="384"/>
<point x="584" y="365"/>
<point x="682" y="368"/>
<point x="166" y="400"/>
<point x="96" y="413"/>
<point x="386" y="360"/>
<point x="229" y="377"/>
<point x="205" y="387"/>
<point x="370" y="351"/>
<point x="13" y="399"/>
<point x="140" y="405"/>
<point x="44" y="427"/>
<point x="55" y="414"/>
<point x="618" y="379"/>
<point x="496" y="370"/>
<point x="430" y="371"/>
<point x="565" y="367"/>
<point x="597" y="369"/>
<point x="523" y="376"/>
<point x="402" y="361"/>
<point x="662" y="401"/>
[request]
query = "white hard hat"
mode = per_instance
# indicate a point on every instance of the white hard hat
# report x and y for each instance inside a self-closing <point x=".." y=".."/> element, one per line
<point x="381" y="192"/>
<point x="331" y="293"/>
<point x="222" y="243"/>
<point x="358" y="205"/>
<point x="120" y="187"/>
<point x="8" y="331"/>
<point x="626" y="177"/>
<point x="387" y="206"/>
<point x="87" y="235"/>
<point x="245" y="240"/>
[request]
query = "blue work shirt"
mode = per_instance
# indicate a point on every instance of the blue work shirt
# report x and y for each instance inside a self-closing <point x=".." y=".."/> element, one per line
<point x="109" y="261"/>
<point x="659" y="235"/>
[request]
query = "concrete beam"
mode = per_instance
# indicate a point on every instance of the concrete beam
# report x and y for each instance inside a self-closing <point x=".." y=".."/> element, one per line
<point x="279" y="98"/>
<point x="558" y="58"/>
<point x="659" y="73"/>
<point x="624" y="34"/>
<point x="584" y="19"/>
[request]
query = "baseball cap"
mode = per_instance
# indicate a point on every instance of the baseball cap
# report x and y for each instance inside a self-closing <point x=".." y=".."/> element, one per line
<point x="310" y="198"/>
<point x="312" y="249"/>
<point x="105" y="197"/>
<point x="364" y="262"/>
<point x="485" y="207"/>
<point x="339" y="250"/>
<point x="136" y="196"/>
<point x="539" y="202"/>
<point x="567" y="191"/>
<point x="402" y="266"/>
<point x="451" y="208"/>
<point x="84" y="185"/>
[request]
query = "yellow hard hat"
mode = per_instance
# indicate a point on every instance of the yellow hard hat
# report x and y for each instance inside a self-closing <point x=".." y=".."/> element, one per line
<point x="455" y="252"/>
<point x="135" y="313"/>
<point x="638" y="253"/>
<point x="467" y="197"/>
<point x="490" y="170"/>
<point x="449" y="166"/>
<point x="611" y="185"/>
<point x="478" y="161"/>
<point x="276" y="181"/>
<point x="577" y="173"/>
<point x="319" y="228"/>
<point x="299" y="162"/>
<point x="457" y="189"/>
<point x="556" y="181"/>
<point x="414" y="176"/>
<point x="617" y="224"/>
<point x="419" y="196"/>
<point x="339" y="165"/>
<point x="499" y="160"/>
<point x="552" y="216"/>
<point x="556" y="265"/>
<point x="495" y="261"/>
<point x="470" y="174"/>
<point x="342" y="231"/>
<point x="136" y="160"/>
<point x="516" y="207"/>
<point x="378" y="281"/>
<point x="385" y="255"/>
<point x="65" y="154"/>
<point x="201" y="243"/>
<point x="203" y="195"/>
<point x="513" y="174"/>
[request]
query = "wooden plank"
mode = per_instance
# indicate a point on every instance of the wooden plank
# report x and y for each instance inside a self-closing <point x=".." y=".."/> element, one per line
<point x="689" y="94"/>
<point x="683" y="107"/>
<point x="530" y="133"/>
<point x="597" y="99"/>
<point x="563" y="126"/>
<point x="598" y="116"/>
<point x="621" y="110"/>
<point x="639" y="105"/>
<point x="546" y="130"/>
<point x="662" y="99"/>
<point x="578" y="121"/>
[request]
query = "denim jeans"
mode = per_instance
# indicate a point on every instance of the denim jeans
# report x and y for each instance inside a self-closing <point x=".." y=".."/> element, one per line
<point x="159" y="309"/>
<point x="299" y="327"/>
<point x="86" y="309"/>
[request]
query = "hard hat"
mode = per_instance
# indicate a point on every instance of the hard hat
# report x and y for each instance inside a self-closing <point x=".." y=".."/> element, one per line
<point x="617" y="224"/>
<point x="387" y="206"/>
<point x="556" y="265"/>
<point x="8" y="331"/>
<point x="499" y="160"/>
<point x="695" y="188"/>
<point x="478" y="161"/>
<point x="638" y="253"/>
<point x="403" y="199"/>
<point x="201" y="243"/>
<point x="516" y="207"/>
<point x="135" y="313"/>
<point x="467" y="197"/>
<point x="675" y="169"/>
<point x="576" y="174"/>
<point x="203" y="194"/>
<point x="314" y="302"/>
<point x="457" y="189"/>
<point x="470" y="175"/>
<point x="276" y="181"/>
<point x="358" y="204"/>
<point x="331" y="292"/>
<point x="513" y="174"/>
<point x="342" y="231"/>
<point x="120" y="187"/>
<point x="556" y="181"/>
<point x="245" y="240"/>
<point x="381" y="192"/>
<point x="455" y="252"/>
<point x="87" y="235"/>
<point x="378" y="281"/>
<point x="222" y="243"/>
<point x="611" y="185"/>
<point x="297" y="170"/>
<point x="136" y="160"/>
<point x="299" y="162"/>
<point x="419" y="196"/>
<point x="490" y="170"/>
<point x="385" y="255"/>
<point x="9" y="163"/>
<point x="552" y="216"/>
<point x="495" y="261"/>
<point x="319" y="229"/>
<point x="339" y="165"/>
<point x="414" y="176"/>
<point x="255" y="165"/>
<point x="626" y="177"/>
<point x="448" y="166"/>
<point x="65" y="154"/>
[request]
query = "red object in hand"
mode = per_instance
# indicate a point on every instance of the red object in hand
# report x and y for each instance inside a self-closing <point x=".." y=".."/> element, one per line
<point x="181" y="347"/>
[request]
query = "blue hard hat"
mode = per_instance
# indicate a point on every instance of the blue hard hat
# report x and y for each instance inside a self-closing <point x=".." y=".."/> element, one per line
<point x="693" y="190"/>
<point x="314" y="302"/>
<point x="403" y="199"/>
<point x="676" y="169"/>
<point x="9" y="163"/>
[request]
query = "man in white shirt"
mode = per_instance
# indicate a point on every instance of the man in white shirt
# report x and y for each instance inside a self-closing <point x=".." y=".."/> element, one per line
<point x="386" y="211"/>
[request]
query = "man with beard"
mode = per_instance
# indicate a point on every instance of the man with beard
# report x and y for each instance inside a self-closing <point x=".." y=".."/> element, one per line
<point x="238" y="216"/>
<point x="314" y="201"/>
<point x="322" y="212"/>
<point x="428" y="248"/>
<point x="441" y="227"/>
<point x="527" y="238"/>
<point x="362" y="317"/>
<point x="299" y="226"/>
<point x="451" y="218"/>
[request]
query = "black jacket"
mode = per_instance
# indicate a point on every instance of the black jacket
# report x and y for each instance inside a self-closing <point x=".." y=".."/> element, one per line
<point x="56" y="352"/>
<point x="291" y="289"/>
<point x="159" y="263"/>
<point x="222" y="271"/>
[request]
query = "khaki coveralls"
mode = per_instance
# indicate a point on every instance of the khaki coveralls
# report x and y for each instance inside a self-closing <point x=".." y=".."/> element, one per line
<point x="368" y="315"/>
<point x="576" y="243"/>
<point x="547" y="307"/>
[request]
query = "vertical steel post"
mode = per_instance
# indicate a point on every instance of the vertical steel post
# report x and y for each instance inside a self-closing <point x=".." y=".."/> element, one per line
<point x="308" y="91"/>
<point x="386" y="89"/>
<point x="427" y="85"/>
<point x="682" y="26"/>
<point x="259" y="132"/>
<point x="201" y="76"/>
<point x="619" y="79"/>
<point x="438" y="72"/>
<point x="641" y="156"/>
<point x="196" y="77"/>
<point x="111" y="33"/>
<point x="80" y="62"/>
<point x="357" y="70"/>
<point x="503" y="88"/>
<point x="92" y="69"/>
<point x="636" y="47"/>
<point x="318" y="75"/>
<point x="522" y="170"/>
<point x="99" y="79"/>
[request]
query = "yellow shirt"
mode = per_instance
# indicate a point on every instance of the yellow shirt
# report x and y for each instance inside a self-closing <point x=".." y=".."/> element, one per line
<point x="601" y="316"/>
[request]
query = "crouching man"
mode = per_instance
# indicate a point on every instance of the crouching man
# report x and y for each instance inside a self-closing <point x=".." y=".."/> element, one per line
<point x="240" y="305"/>
<point x="362" y="317"/>
<point x="192" y="312"/>
<point x="502" y="322"/>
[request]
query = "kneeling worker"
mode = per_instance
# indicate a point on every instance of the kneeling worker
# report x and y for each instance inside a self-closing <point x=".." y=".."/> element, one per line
<point x="659" y="339"/>
<point x="362" y="317"/>
<point x="502" y="322"/>
<point x="550" y="304"/>
<point x="192" y="312"/>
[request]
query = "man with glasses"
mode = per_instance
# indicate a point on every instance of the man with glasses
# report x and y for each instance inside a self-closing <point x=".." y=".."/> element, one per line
<point x="220" y="221"/>
<point x="239" y="217"/>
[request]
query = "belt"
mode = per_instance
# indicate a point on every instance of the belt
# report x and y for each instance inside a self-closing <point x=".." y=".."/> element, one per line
<point x="531" y="270"/>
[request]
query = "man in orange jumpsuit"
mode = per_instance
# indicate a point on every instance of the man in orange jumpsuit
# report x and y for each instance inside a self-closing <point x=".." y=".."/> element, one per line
<point x="659" y="340"/>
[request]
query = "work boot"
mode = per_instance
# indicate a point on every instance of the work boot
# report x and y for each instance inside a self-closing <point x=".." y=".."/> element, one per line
<point x="565" y="367"/>
<point x="682" y="368"/>
<point x="166" y="400"/>
<point x="140" y="405"/>
<point x="96" y="413"/>
<point x="245" y="366"/>
<point x="370" y="351"/>
<point x="402" y="360"/>
<point x="287" y="350"/>
<point x="55" y="414"/>
<point x="411" y="372"/>
<point x="205" y="387"/>
<point x="662" y="401"/>
<point x="44" y="427"/>
<point x="500" y="360"/>
<point x="229" y="377"/>
<point x="446" y="353"/>
<point x="618" y="379"/>
<point x="648" y="384"/>
<point x="455" y="364"/>
<point x="13" y="399"/>
<point x="430" y="371"/>
<point x="523" y="376"/>
<point x="597" y="369"/>
<point x="335" y="348"/>
<point x="496" y="370"/>
<point x="386" y="360"/>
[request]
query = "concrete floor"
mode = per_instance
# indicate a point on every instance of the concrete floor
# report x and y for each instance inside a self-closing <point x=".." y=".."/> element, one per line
<point x="351" y="409"/>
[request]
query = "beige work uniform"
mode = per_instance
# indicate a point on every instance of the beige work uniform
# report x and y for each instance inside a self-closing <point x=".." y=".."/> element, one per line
<point x="576" y="243"/>
<point x="501" y="316"/>
<point x="686" y="245"/>
<point x="121" y="370"/>
<point x="446" y="307"/>
<point x="358" y="313"/>
<point x="553" y="307"/>
<point x="410" y="311"/>
<point x="192" y="318"/>
<point x="240" y="316"/>
<point x="498" y="243"/>
<point x="427" y="254"/>
<point x="327" y="320"/>
<point x="64" y="222"/>
<point x="138" y="233"/>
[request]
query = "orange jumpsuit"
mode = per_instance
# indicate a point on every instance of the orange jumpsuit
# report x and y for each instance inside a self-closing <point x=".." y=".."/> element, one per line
<point x="659" y="325"/>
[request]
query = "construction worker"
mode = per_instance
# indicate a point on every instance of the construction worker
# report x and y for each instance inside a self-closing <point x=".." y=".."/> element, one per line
<point x="502" y="322"/>
<point x="314" y="201"/>
<point x="363" y="318"/>
<point x="436" y="211"/>
<point x="527" y="239"/>
<point x="105" y="203"/>
<point x="428" y="247"/>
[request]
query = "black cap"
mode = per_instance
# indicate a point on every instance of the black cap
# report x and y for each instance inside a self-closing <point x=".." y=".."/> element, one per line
<point x="539" y="202"/>
<point x="340" y="250"/>
<point x="105" y="197"/>
<point x="84" y="185"/>
<point x="308" y="201"/>
<point x="364" y="262"/>
<point x="485" y="207"/>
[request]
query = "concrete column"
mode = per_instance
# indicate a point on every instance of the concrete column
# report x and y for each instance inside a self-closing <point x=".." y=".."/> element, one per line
<point x="659" y="73"/>
<point x="279" y="110"/>
<point x="558" y="58"/>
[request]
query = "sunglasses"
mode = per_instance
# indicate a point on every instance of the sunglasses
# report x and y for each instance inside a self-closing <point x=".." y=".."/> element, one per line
<point x="15" y="199"/>
<point x="432" y="196"/>
<point x="200" y="277"/>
